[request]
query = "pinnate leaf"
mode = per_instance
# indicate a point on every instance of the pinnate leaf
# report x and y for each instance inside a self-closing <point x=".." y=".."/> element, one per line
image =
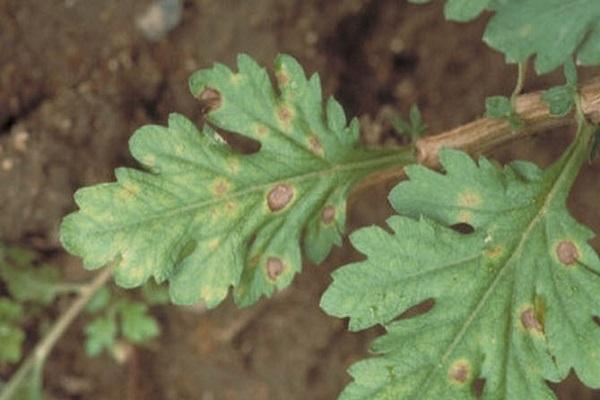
<point x="514" y="300"/>
<point x="101" y="334"/>
<point x="207" y="218"/>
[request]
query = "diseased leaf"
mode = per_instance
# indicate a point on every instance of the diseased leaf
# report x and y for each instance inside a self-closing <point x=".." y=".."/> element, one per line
<point x="137" y="325"/>
<point x="501" y="107"/>
<point x="514" y="300"/>
<point x="552" y="30"/>
<point x="205" y="217"/>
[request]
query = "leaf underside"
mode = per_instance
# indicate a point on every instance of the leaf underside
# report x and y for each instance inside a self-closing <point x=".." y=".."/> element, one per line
<point x="513" y="301"/>
<point x="554" y="31"/>
<point x="205" y="217"/>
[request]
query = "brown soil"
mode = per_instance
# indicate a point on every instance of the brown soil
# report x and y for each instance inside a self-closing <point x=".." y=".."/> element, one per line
<point x="77" y="77"/>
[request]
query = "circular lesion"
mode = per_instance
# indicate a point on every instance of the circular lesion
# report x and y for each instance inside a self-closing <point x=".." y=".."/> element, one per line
<point x="567" y="252"/>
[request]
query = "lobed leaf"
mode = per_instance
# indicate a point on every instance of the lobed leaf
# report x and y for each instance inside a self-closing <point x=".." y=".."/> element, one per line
<point x="514" y="300"/>
<point x="205" y="217"/>
<point x="552" y="30"/>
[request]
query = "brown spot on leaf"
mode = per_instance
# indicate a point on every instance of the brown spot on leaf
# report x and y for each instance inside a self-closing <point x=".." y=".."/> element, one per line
<point x="284" y="114"/>
<point x="530" y="321"/>
<point x="567" y="253"/>
<point x="460" y="371"/>
<point x="221" y="186"/>
<point x="279" y="197"/>
<point x="274" y="267"/>
<point x="315" y="145"/>
<point x="328" y="214"/>
<point x="210" y="99"/>
<point x="282" y="78"/>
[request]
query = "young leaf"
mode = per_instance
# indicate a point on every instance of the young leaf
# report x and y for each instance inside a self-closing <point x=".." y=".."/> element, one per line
<point x="514" y="300"/>
<point x="415" y="128"/>
<point x="100" y="334"/>
<point x="137" y="325"/>
<point x="11" y="334"/>
<point x="501" y="107"/>
<point x="205" y="217"/>
<point x="561" y="99"/>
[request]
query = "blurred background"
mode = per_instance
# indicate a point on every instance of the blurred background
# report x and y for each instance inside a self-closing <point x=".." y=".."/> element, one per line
<point x="78" y="76"/>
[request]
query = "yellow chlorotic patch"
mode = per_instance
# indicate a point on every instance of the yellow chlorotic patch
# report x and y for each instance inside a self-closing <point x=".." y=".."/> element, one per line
<point x="233" y="164"/>
<point x="261" y="131"/>
<point x="494" y="252"/>
<point x="235" y="79"/>
<point x="465" y="216"/>
<point x="211" y="295"/>
<point x="136" y="273"/>
<point x="230" y="208"/>
<point x="179" y="150"/>
<point x="128" y="190"/>
<point x="220" y="186"/>
<point x="469" y="199"/>
<point x="149" y="160"/>
<point x="214" y="244"/>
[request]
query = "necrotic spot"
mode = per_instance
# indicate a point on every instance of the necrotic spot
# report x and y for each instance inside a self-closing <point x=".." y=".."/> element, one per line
<point x="210" y="99"/>
<point x="460" y="371"/>
<point x="279" y="197"/>
<point x="328" y="214"/>
<point x="274" y="267"/>
<point x="567" y="253"/>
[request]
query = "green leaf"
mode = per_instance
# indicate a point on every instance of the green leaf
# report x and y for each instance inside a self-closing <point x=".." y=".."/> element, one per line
<point x="498" y="107"/>
<point x="460" y="10"/>
<point x="415" y="128"/>
<point x="204" y="216"/>
<point x="560" y="99"/>
<point x="100" y="334"/>
<point x="11" y="334"/>
<point x="501" y="107"/>
<point x="137" y="325"/>
<point x="514" y="300"/>
<point x="553" y="30"/>
<point x="100" y="300"/>
<point x="31" y="283"/>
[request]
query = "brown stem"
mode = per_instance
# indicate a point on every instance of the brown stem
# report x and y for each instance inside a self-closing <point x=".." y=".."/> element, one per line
<point x="486" y="133"/>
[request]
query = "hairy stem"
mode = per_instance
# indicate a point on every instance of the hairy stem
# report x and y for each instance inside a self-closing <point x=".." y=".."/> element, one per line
<point x="484" y="134"/>
<point x="41" y="351"/>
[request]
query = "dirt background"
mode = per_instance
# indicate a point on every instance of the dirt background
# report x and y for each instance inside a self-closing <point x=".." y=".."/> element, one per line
<point x="77" y="77"/>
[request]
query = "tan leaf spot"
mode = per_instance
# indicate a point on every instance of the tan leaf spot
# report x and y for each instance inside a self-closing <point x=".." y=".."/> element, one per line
<point x="279" y="197"/>
<point x="328" y="214"/>
<point x="315" y="145"/>
<point x="530" y="321"/>
<point x="284" y="114"/>
<point x="274" y="267"/>
<point x="210" y="99"/>
<point x="220" y="186"/>
<point x="567" y="253"/>
<point x="460" y="371"/>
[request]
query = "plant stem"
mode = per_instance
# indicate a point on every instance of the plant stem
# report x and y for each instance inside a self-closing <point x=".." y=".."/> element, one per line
<point x="521" y="74"/>
<point x="486" y="133"/>
<point x="41" y="351"/>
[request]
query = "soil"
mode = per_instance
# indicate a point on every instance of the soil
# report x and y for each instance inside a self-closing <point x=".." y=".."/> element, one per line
<point x="76" y="79"/>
